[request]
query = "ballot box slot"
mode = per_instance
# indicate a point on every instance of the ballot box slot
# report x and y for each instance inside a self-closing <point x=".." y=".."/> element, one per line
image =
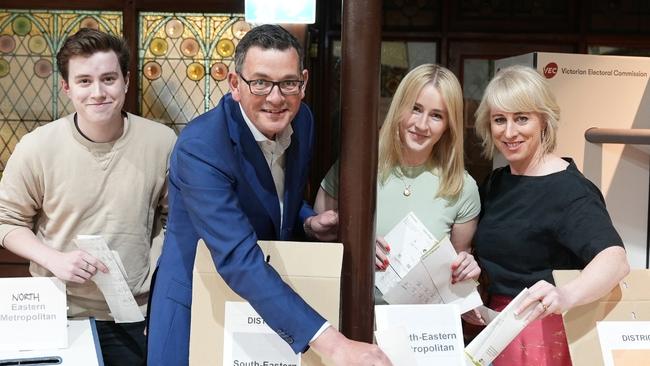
<point x="32" y="361"/>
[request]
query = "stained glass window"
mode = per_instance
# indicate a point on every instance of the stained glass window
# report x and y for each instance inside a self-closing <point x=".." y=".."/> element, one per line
<point x="183" y="63"/>
<point x="29" y="79"/>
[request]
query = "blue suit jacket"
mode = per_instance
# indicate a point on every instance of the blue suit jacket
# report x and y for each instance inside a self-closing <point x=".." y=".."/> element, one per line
<point x="221" y="190"/>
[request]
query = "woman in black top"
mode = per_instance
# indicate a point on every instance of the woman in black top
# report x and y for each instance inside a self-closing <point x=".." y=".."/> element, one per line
<point x="539" y="213"/>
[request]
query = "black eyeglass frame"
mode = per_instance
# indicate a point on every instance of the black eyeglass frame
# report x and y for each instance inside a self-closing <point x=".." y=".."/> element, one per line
<point x="301" y="83"/>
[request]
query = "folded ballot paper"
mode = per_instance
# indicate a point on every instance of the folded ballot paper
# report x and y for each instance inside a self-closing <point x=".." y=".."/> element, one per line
<point x="500" y="331"/>
<point x="117" y="293"/>
<point x="420" y="269"/>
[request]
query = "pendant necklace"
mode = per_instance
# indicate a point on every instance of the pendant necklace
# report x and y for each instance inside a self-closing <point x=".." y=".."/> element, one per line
<point x="407" y="188"/>
<point x="407" y="191"/>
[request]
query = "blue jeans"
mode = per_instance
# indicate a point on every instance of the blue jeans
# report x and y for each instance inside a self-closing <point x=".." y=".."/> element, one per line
<point x="123" y="343"/>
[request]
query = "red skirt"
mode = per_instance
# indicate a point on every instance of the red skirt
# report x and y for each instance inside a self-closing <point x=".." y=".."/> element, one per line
<point x="542" y="343"/>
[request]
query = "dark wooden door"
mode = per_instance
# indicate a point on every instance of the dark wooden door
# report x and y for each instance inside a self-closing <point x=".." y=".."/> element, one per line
<point x="12" y="265"/>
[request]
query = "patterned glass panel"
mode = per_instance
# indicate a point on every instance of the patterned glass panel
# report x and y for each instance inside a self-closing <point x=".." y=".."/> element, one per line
<point x="29" y="79"/>
<point x="184" y="61"/>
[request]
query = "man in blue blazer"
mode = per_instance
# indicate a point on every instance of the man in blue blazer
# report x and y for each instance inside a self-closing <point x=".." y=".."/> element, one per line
<point x="237" y="174"/>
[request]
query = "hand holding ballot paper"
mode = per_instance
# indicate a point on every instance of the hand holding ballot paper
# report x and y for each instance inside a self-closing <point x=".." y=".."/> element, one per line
<point x="113" y="284"/>
<point x="502" y="328"/>
<point x="419" y="270"/>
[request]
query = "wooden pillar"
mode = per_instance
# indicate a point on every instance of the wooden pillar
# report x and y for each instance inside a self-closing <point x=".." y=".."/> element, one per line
<point x="361" y="41"/>
<point x="130" y="29"/>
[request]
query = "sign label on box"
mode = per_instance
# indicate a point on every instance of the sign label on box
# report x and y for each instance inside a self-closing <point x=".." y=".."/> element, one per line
<point x="249" y="341"/>
<point x="420" y="334"/>
<point x="32" y="313"/>
<point x="624" y="340"/>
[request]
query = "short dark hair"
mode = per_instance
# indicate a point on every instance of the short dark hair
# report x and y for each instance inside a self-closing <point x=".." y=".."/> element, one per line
<point x="267" y="36"/>
<point x="87" y="42"/>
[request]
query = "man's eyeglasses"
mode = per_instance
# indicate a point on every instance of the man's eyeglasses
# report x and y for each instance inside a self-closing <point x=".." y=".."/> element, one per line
<point x="264" y="87"/>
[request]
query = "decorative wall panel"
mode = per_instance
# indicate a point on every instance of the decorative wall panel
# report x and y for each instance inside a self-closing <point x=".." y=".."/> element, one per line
<point x="513" y="15"/>
<point x="620" y="16"/>
<point x="402" y="15"/>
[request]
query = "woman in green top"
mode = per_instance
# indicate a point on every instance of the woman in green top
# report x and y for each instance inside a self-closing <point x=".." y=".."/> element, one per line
<point x="421" y="168"/>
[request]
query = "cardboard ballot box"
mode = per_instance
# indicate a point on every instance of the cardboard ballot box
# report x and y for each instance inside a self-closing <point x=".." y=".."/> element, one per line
<point x="629" y="301"/>
<point x="83" y="349"/>
<point x="313" y="270"/>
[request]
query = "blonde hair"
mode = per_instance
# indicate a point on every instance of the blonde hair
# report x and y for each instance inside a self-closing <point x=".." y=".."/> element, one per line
<point x="446" y="158"/>
<point x="518" y="89"/>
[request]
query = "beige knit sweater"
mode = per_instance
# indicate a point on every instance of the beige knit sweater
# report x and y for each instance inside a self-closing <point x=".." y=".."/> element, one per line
<point x="61" y="185"/>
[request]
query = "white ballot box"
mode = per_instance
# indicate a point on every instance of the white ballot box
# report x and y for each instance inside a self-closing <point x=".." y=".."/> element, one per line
<point x="221" y="330"/>
<point x="83" y="349"/>
<point x="603" y="92"/>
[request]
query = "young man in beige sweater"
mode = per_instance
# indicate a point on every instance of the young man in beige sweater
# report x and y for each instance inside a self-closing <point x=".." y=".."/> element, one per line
<point x="98" y="171"/>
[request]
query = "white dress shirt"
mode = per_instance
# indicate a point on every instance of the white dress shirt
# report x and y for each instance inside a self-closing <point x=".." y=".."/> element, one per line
<point x="273" y="151"/>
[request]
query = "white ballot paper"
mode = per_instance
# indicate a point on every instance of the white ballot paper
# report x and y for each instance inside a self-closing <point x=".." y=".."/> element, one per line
<point x="249" y="341"/>
<point x="624" y="343"/>
<point x="499" y="333"/>
<point x="423" y="335"/>
<point x="420" y="269"/>
<point x="113" y="284"/>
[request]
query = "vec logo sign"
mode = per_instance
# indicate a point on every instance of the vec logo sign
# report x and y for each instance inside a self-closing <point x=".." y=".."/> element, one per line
<point x="550" y="70"/>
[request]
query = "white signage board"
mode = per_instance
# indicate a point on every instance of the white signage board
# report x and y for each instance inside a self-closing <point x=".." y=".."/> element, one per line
<point x="32" y="313"/>
<point x="624" y="343"/>
<point x="433" y="333"/>
<point x="280" y="11"/>
<point x="248" y="340"/>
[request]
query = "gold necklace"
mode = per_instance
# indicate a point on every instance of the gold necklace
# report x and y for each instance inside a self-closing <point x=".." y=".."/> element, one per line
<point x="407" y="187"/>
<point x="407" y="191"/>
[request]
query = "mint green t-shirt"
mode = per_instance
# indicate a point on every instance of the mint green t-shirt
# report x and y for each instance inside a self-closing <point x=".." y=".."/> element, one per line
<point x="438" y="214"/>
